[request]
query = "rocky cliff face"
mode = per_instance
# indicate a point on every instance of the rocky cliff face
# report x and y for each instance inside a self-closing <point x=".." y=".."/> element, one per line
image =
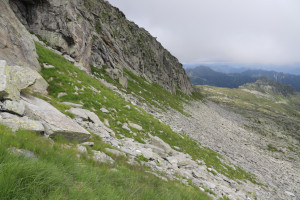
<point x="95" y="33"/>
<point x="16" y="45"/>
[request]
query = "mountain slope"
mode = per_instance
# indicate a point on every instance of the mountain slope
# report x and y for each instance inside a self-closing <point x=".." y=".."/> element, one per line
<point x="255" y="127"/>
<point x="111" y="131"/>
<point x="96" y="34"/>
<point x="293" y="80"/>
<point x="203" y="75"/>
<point x="268" y="86"/>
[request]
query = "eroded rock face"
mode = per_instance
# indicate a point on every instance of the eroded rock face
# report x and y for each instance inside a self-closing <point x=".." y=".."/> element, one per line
<point x="16" y="45"/>
<point x="95" y="33"/>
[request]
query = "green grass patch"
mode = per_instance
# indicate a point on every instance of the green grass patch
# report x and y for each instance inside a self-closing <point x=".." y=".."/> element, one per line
<point x="142" y="158"/>
<point x="59" y="174"/>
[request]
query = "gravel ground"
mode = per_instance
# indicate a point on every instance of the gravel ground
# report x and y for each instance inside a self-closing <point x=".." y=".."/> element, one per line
<point x="224" y="131"/>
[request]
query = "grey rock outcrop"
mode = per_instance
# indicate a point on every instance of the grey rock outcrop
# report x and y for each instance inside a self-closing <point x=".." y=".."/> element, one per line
<point x="13" y="107"/>
<point x="16" y="123"/>
<point x="108" y="39"/>
<point x="102" y="157"/>
<point x="14" y="79"/>
<point x="25" y="153"/>
<point x="16" y="45"/>
<point x="86" y="115"/>
<point x="156" y="141"/>
<point x="56" y="123"/>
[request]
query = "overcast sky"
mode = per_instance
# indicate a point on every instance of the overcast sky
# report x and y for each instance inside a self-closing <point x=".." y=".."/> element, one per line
<point x="222" y="31"/>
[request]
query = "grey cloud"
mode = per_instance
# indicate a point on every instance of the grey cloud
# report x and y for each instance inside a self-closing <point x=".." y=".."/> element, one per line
<point x="237" y="31"/>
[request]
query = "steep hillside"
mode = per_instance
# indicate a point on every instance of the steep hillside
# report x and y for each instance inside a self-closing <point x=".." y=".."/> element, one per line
<point x="16" y="45"/>
<point x="93" y="33"/>
<point x="85" y="114"/>
<point x="120" y="133"/>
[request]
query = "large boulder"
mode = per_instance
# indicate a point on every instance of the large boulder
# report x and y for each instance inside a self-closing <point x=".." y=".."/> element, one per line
<point x="156" y="141"/>
<point x="16" y="123"/>
<point x="7" y="91"/>
<point x="55" y="122"/>
<point x="14" y="79"/>
<point x="86" y="115"/>
<point x="102" y="157"/>
<point x="13" y="107"/>
<point x="16" y="44"/>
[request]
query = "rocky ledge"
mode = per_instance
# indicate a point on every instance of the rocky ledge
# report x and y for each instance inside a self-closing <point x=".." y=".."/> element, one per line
<point x="19" y="110"/>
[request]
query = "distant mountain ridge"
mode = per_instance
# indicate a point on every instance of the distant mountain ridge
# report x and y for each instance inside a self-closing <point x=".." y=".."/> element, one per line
<point x="266" y="85"/>
<point x="204" y="75"/>
<point x="291" y="79"/>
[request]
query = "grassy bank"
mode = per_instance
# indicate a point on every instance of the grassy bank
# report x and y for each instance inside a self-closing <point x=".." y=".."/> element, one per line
<point x="59" y="174"/>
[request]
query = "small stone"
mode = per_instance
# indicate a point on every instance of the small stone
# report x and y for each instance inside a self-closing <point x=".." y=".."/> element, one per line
<point x="81" y="148"/>
<point x="25" y="153"/>
<point x="61" y="94"/>
<point x="90" y="144"/>
<point x="124" y="82"/>
<point x="69" y="58"/>
<point x="126" y="127"/>
<point x="73" y="104"/>
<point x="135" y="126"/>
<point x="212" y="170"/>
<point x="48" y="66"/>
<point x="102" y="157"/>
<point x="127" y="106"/>
<point x="177" y="148"/>
<point x="106" y="122"/>
<point x="104" y="110"/>
<point x="115" y="152"/>
<point x="290" y="194"/>
<point x="201" y="189"/>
